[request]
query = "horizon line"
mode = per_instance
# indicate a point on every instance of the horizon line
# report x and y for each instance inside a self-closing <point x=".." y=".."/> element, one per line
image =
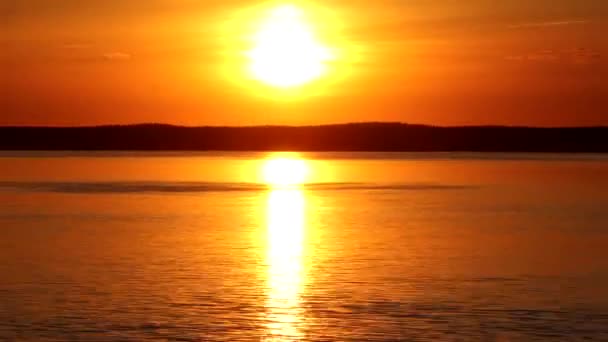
<point x="397" y="123"/>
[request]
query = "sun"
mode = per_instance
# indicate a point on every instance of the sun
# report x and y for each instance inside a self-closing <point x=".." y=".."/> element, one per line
<point x="286" y="52"/>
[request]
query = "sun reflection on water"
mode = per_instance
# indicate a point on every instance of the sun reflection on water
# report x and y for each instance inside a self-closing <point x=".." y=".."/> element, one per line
<point x="286" y="233"/>
<point x="285" y="170"/>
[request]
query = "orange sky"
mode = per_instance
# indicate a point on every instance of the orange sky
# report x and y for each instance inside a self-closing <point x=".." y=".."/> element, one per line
<point x="444" y="62"/>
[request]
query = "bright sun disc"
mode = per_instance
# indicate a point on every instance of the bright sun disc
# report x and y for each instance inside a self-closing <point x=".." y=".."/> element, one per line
<point x="285" y="51"/>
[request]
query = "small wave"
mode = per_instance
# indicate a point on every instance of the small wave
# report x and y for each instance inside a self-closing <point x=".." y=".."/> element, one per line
<point x="197" y="187"/>
<point x="128" y="187"/>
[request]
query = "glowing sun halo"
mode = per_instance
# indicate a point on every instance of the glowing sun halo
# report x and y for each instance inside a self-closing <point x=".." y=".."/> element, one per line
<point x="286" y="52"/>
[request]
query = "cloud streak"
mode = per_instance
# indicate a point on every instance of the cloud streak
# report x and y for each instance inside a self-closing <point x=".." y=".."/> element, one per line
<point x="116" y="56"/>
<point x="576" y="56"/>
<point x="546" y="24"/>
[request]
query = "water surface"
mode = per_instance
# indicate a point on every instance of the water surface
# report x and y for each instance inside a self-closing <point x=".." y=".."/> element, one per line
<point x="373" y="247"/>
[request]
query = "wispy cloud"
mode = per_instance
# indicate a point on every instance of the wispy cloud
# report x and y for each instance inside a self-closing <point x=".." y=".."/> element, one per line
<point x="540" y="56"/>
<point x="543" y="24"/>
<point x="576" y="56"/>
<point x="116" y="56"/>
<point x="77" y="46"/>
<point x="583" y="56"/>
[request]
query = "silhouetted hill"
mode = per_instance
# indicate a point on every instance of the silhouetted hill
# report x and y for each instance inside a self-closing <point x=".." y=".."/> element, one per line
<point x="344" y="137"/>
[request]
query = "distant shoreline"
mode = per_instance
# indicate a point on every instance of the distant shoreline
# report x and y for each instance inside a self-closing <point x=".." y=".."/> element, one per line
<point x="353" y="137"/>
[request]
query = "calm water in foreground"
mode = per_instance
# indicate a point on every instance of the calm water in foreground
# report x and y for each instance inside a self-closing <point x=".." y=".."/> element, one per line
<point x="376" y="247"/>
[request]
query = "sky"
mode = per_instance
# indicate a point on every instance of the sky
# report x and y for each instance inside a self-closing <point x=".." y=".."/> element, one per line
<point x="439" y="62"/>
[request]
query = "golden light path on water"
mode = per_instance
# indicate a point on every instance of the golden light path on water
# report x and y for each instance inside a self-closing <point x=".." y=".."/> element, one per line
<point x="286" y="234"/>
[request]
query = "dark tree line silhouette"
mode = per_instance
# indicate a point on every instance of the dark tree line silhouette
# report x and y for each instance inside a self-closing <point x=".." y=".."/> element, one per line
<point x="343" y="137"/>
